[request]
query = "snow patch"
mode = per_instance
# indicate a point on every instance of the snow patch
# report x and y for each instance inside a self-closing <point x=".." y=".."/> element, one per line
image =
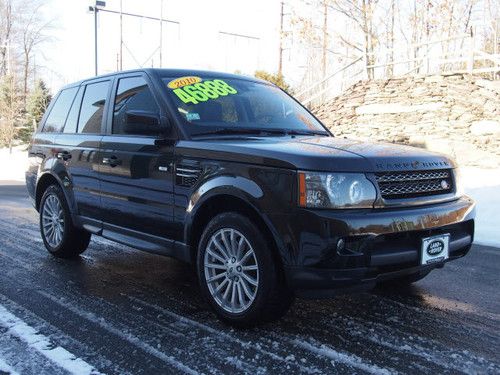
<point x="13" y="165"/>
<point x="124" y="335"/>
<point x="5" y="368"/>
<point x="349" y="360"/>
<point x="226" y="336"/>
<point x="58" y="355"/>
<point x="483" y="185"/>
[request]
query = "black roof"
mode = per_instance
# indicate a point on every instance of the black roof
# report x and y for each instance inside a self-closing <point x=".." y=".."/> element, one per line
<point x="170" y="73"/>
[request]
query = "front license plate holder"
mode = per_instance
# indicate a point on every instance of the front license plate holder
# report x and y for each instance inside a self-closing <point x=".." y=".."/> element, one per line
<point x="435" y="249"/>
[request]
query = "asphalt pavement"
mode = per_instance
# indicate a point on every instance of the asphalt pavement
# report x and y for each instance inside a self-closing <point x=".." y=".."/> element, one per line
<point x="116" y="310"/>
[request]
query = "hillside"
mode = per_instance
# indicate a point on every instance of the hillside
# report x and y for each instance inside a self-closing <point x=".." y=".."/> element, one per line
<point x="458" y="115"/>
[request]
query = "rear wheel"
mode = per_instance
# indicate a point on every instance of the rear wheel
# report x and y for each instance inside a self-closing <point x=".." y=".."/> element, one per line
<point x="237" y="272"/>
<point x="60" y="237"/>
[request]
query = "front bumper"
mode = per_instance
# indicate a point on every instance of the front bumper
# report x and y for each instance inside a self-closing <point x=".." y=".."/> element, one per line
<point x="380" y="244"/>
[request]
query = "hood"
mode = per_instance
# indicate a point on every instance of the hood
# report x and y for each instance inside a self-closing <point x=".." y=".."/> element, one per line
<point x="316" y="153"/>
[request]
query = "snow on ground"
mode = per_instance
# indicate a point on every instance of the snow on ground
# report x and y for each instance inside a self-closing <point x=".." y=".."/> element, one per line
<point x="13" y="166"/>
<point x="481" y="184"/>
<point x="350" y="360"/>
<point x="35" y="340"/>
<point x="7" y="369"/>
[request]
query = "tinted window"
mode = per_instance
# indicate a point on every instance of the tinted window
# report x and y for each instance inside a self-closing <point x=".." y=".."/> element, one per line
<point x="92" y="109"/>
<point x="59" y="112"/>
<point x="72" y="120"/>
<point x="132" y="94"/>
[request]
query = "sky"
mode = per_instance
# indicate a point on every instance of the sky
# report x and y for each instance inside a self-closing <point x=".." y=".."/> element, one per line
<point x="200" y="39"/>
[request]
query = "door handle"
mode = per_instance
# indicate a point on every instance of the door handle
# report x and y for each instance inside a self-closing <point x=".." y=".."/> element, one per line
<point x="112" y="161"/>
<point x="63" y="155"/>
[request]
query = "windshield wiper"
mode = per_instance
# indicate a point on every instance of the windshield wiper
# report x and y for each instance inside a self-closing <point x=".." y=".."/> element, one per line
<point x="258" y="131"/>
<point x="228" y="131"/>
<point x="293" y="132"/>
<point x="304" y="132"/>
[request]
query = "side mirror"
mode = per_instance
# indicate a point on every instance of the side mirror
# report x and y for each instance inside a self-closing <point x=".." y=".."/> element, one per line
<point x="143" y="123"/>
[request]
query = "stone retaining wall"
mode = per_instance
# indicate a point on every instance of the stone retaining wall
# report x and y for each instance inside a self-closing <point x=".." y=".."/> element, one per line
<point x="458" y="115"/>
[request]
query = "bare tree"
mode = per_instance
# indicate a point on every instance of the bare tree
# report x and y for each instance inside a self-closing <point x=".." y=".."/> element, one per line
<point x="415" y="34"/>
<point x="390" y="38"/>
<point x="305" y="34"/>
<point x="6" y="23"/>
<point x="362" y="13"/>
<point x="34" y="30"/>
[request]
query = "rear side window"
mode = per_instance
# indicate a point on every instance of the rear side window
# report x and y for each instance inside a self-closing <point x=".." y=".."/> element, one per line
<point x="72" y="120"/>
<point x="57" y="116"/>
<point x="92" y="108"/>
<point x="133" y="94"/>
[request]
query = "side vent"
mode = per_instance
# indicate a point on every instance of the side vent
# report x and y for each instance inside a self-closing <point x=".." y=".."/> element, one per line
<point x="187" y="175"/>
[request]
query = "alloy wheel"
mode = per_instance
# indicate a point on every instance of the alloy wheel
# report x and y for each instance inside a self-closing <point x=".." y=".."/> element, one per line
<point x="53" y="221"/>
<point x="231" y="270"/>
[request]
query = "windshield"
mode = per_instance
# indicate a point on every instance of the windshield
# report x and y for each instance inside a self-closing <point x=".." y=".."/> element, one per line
<point x="210" y="105"/>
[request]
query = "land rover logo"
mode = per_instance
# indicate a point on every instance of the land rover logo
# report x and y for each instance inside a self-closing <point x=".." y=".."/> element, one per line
<point x="436" y="247"/>
<point x="444" y="184"/>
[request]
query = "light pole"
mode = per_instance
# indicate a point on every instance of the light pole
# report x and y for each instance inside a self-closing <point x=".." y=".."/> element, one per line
<point x="280" y="64"/>
<point x="98" y="5"/>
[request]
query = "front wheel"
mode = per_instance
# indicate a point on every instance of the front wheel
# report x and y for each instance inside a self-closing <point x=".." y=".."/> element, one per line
<point x="61" y="238"/>
<point x="237" y="272"/>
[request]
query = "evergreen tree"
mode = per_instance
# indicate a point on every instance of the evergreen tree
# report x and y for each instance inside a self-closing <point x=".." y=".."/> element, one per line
<point x="37" y="103"/>
<point x="11" y="110"/>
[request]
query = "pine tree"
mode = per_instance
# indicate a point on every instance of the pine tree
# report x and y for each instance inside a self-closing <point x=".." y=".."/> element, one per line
<point x="11" y="109"/>
<point x="37" y="103"/>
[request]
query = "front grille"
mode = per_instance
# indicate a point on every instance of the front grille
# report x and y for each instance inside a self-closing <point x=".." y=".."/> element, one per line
<point x="400" y="185"/>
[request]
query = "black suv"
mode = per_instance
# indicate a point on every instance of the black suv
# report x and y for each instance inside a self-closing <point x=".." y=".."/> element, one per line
<point x="233" y="175"/>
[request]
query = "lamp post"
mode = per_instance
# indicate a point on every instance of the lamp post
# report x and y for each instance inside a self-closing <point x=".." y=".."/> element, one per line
<point x="98" y="5"/>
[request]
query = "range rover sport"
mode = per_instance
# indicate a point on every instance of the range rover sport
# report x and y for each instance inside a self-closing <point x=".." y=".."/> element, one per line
<point x="232" y="175"/>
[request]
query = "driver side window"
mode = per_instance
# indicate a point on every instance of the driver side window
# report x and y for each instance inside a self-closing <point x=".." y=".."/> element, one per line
<point x="132" y="94"/>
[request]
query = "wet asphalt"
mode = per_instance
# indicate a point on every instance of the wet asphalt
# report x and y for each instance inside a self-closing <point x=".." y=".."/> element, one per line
<point x="123" y="311"/>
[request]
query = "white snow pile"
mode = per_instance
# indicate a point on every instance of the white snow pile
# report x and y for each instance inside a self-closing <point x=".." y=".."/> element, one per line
<point x="13" y="166"/>
<point x="481" y="184"/>
<point x="350" y="360"/>
<point x="7" y="369"/>
<point x="42" y="344"/>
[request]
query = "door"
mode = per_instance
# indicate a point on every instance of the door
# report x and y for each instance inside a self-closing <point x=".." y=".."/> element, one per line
<point x="78" y="148"/>
<point x="136" y="172"/>
<point x="43" y="149"/>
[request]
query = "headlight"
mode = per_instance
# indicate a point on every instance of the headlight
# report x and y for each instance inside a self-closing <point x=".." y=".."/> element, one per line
<point x="335" y="190"/>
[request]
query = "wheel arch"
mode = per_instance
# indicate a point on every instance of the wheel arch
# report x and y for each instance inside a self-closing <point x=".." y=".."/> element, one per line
<point x="228" y="202"/>
<point x="46" y="180"/>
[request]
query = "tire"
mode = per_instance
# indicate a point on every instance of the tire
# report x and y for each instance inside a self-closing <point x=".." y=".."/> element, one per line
<point x="406" y="280"/>
<point x="60" y="237"/>
<point x="252" y="304"/>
